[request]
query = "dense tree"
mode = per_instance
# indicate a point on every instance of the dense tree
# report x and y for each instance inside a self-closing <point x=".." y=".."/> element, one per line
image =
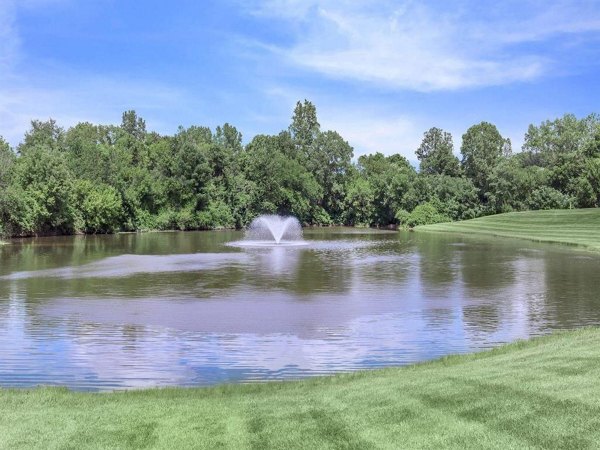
<point x="511" y="183"/>
<point x="45" y="184"/>
<point x="99" y="179"/>
<point x="283" y="184"/>
<point x="424" y="214"/>
<point x="389" y="178"/>
<point x="329" y="161"/>
<point x="43" y="134"/>
<point x="359" y="202"/>
<point x="7" y="159"/>
<point x="304" y="127"/>
<point x="99" y="207"/>
<point x="436" y="154"/>
<point x="566" y="135"/>
<point x="454" y="197"/>
<point x="482" y="147"/>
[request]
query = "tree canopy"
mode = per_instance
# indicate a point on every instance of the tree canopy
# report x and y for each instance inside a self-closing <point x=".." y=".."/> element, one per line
<point x="106" y="178"/>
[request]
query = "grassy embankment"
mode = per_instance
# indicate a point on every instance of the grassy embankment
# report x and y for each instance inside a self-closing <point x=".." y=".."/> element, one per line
<point x="543" y="393"/>
<point x="580" y="227"/>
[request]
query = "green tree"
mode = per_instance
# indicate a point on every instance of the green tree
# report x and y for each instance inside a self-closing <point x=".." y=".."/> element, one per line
<point x="389" y="180"/>
<point x="435" y="154"/>
<point x="304" y="127"/>
<point x="552" y="140"/>
<point x="511" y="183"/>
<point x="46" y="185"/>
<point x="7" y="160"/>
<point x="7" y="202"/>
<point x="98" y="207"/>
<point x="43" y="134"/>
<point x="359" y="202"/>
<point x="284" y="185"/>
<point x="229" y="137"/>
<point x="330" y="161"/>
<point x="482" y="147"/>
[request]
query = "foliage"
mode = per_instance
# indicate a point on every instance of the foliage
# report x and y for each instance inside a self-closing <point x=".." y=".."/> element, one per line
<point x="436" y="154"/>
<point x="105" y="178"/>
<point x="424" y="214"/>
<point x="566" y="135"/>
<point x="99" y="207"/>
<point x="46" y="191"/>
<point x="389" y="180"/>
<point x="546" y="197"/>
<point x="482" y="147"/>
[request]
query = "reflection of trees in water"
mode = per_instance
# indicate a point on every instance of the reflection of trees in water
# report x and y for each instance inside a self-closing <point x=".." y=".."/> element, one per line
<point x="440" y="318"/>
<point x="572" y="289"/>
<point x="63" y="251"/>
<point x="483" y="318"/>
<point x="486" y="266"/>
<point x="49" y="252"/>
<point x="438" y="262"/>
<point x="297" y="270"/>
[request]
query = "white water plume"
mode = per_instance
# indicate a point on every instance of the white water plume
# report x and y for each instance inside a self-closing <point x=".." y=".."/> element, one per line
<point x="274" y="229"/>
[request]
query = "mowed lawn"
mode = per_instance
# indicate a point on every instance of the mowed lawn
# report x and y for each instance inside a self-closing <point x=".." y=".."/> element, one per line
<point x="543" y="393"/>
<point x="579" y="227"/>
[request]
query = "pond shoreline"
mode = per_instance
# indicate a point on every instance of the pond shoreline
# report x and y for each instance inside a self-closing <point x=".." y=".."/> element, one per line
<point x="541" y="392"/>
<point x="577" y="227"/>
<point x="8" y="239"/>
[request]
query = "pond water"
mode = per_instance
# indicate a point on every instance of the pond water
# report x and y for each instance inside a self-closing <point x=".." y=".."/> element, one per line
<point x="186" y="309"/>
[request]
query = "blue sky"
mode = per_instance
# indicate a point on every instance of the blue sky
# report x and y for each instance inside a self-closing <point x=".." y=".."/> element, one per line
<point x="380" y="73"/>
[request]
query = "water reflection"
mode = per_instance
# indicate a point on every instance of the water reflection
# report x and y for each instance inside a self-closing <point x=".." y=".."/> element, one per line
<point x="111" y="312"/>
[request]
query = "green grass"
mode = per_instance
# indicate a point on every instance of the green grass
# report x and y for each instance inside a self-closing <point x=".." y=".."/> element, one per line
<point x="580" y="227"/>
<point x="543" y="393"/>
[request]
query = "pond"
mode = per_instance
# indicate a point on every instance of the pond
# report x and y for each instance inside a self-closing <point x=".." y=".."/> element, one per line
<point x="186" y="309"/>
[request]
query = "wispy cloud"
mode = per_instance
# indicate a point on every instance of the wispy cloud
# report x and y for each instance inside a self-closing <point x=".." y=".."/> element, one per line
<point x="375" y="133"/>
<point x="425" y="46"/>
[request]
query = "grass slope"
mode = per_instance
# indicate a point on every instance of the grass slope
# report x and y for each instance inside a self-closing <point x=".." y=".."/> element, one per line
<point x="579" y="227"/>
<point x="543" y="393"/>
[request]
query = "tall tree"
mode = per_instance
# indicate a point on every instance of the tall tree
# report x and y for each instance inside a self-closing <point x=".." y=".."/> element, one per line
<point x="482" y="147"/>
<point x="329" y="162"/>
<point x="436" y="154"/>
<point x="43" y="133"/>
<point x="389" y="179"/>
<point x="133" y="125"/>
<point x="229" y="137"/>
<point x="46" y="183"/>
<point x="566" y="135"/>
<point x="304" y="128"/>
<point x="7" y="159"/>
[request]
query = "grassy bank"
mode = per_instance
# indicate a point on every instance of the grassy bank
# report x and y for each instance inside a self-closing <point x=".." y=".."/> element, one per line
<point x="539" y="393"/>
<point x="579" y="227"/>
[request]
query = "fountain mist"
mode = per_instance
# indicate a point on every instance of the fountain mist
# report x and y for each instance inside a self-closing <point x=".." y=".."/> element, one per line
<point x="273" y="228"/>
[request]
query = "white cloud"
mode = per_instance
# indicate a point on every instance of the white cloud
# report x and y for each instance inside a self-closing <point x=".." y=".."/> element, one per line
<point x="411" y="45"/>
<point x="375" y="132"/>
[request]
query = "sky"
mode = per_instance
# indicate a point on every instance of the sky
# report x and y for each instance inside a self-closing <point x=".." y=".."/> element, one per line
<point x="380" y="73"/>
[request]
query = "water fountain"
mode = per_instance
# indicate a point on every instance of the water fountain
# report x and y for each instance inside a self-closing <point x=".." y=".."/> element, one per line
<point x="271" y="229"/>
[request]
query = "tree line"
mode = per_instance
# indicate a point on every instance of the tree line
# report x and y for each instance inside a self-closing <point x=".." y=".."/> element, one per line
<point x="101" y="179"/>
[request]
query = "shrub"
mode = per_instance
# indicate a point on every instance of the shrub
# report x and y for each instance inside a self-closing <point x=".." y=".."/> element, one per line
<point x="424" y="214"/>
<point x="546" y="197"/>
